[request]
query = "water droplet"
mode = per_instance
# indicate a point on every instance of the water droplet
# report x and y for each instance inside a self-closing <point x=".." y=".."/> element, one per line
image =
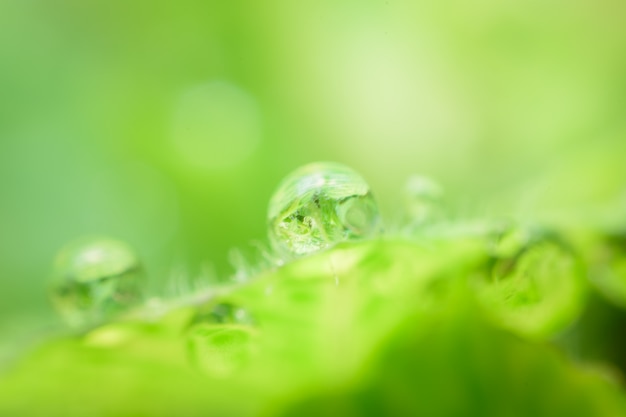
<point x="220" y="350"/>
<point x="222" y="313"/>
<point x="609" y="266"/>
<point x="221" y="339"/>
<point x="509" y="240"/>
<point x="423" y="200"/>
<point x="319" y="205"/>
<point x="533" y="284"/>
<point x="95" y="278"/>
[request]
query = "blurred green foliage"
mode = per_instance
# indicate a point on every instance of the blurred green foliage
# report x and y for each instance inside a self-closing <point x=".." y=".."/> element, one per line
<point x="379" y="328"/>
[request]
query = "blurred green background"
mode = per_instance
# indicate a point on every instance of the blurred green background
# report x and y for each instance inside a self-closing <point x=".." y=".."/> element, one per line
<point x="168" y="124"/>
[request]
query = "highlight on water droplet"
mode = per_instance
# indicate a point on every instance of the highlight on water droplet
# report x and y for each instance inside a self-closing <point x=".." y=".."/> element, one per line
<point x="221" y="339"/>
<point x="318" y="205"/>
<point x="95" y="278"/>
<point x="423" y="200"/>
<point x="532" y="284"/>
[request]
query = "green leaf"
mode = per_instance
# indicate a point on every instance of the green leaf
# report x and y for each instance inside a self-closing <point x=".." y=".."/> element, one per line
<point x="382" y="327"/>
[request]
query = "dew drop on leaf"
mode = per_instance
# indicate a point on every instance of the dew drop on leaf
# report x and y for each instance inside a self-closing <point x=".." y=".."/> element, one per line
<point x="609" y="266"/>
<point x="423" y="200"/>
<point x="95" y="278"/>
<point x="509" y="241"/>
<point x="221" y="339"/>
<point x="220" y="350"/>
<point x="222" y="313"/>
<point x="532" y="284"/>
<point x="319" y="205"/>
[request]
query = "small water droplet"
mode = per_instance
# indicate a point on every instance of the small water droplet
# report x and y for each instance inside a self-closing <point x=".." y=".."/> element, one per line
<point x="221" y="339"/>
<point x="533" y="283"/>
<point x="222" y="313"/>
<point x="608" y="260"/>
<point x="95" y="278"/>
<point x="220" y="350"/>
<point x="509" y="240"/>
<point x="319" y="205"/>
<point x="423" y="200"/>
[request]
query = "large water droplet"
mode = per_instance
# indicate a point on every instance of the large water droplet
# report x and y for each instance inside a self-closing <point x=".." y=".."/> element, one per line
<point x="221" y="339"/>
<point x="95" y="278"/>
<point x="533" y="284"/>
<point x="318" y="205"/>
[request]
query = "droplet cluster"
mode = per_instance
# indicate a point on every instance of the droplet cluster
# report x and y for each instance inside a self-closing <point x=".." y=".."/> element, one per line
<point x="531" y="281"/>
